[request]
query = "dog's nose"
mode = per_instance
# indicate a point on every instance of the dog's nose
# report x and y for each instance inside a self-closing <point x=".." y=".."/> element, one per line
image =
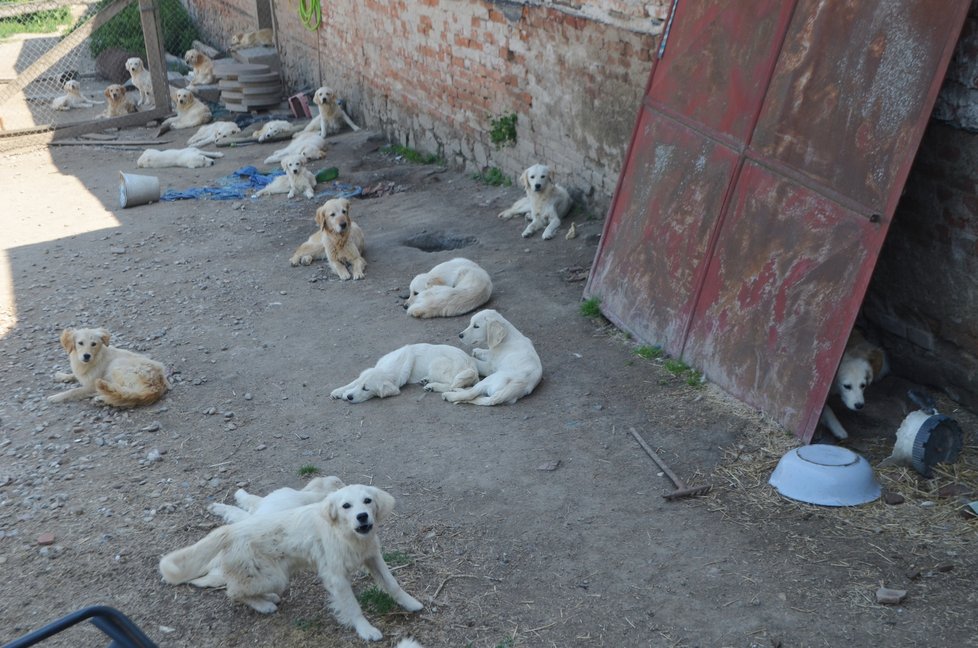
<point x="362" y="517"/>
<point x="349" y="397"/>
<point x="858" y="405"/>
<point x="342" y="226"/>
<point x="461" y="335"/>
<point x="86" y="357"/>
<point x="404" y="306"/>
<point x="538" y="186"/>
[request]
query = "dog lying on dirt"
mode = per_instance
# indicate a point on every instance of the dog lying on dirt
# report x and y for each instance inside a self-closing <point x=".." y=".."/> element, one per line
<point x="339" y="240"/>
<point x="114" y="376"/>
<point x="203" y="68"/>
<point x="191" y="112"/>
<point x="545" y="203"/>
<point x="510" y="364"/>
<point x="278" y="500"/>
<point x="438" y="367"/>
<point x="256" y="557"/>
<point x="863" y="363"/>
<point x="297" y="178"/>
<point x="118" y="103"/>
<point x="72" y="98"/>
<point x="213" y="133"/>
<point x="451" y="288"/>
<point x="190" y="158"/>
<point x="275" y="129"/>
<point x="330" y="114"/>
<point x="309" y="145"/>
<point x="141" y="79"/>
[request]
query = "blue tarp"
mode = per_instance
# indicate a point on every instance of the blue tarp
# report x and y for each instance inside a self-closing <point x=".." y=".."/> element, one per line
<point x="244" y="182"/>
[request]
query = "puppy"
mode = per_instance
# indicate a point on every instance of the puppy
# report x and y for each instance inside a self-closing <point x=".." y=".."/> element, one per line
<point x="117" y="102"/>
<point x="511" y="366"/>
<point x="191" y="112"/>
<point x="545" y="203"/>
<point x="297" y="178"/>
<point x="863" y="363"/>
<point x="190" y="158"/>
<point x="72" y="98"/>
<point x="338" y="239"/>
<point x="309" y="145"/>
<point x="330" y="114"/>
<point x="438" y="367"/>
<point x="256" y="557"/>
<point x="278" y="500"/>
<point x="450" y="288"/>
<point x="141" y="79"/>
<point x="203" y="68"/>
<point x="114" y="376"/>
<point x="273" y="130"/>
<point x="213" y="133"/>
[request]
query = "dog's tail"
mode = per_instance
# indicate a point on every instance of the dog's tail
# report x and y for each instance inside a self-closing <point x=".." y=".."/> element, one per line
<point x="192" y="562"/>
<point x="147" y="388"/>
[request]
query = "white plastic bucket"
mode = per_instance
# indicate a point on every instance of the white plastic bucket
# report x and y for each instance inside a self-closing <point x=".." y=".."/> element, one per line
<point x="137" y="189"/>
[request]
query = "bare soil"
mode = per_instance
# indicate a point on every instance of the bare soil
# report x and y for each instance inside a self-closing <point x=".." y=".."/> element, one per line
<point x="536" y="524"/>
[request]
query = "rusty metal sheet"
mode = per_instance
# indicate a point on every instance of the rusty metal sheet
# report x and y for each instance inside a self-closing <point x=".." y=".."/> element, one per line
<point x="752" y="266"/>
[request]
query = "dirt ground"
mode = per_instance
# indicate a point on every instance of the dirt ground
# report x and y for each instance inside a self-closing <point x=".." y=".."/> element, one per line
<point x="536" y="524"/>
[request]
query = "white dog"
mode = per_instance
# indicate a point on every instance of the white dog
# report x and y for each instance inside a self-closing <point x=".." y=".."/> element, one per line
<point x="278" y="500"/>
<point x="191" y="112"/>
<point x="256" y="557"/>
<point x="438" y="367"/>
<point x="141" y="79"/>
<point x="545" y="203"/>
<point x="297" y="178"/>
<point x="72" y="98"/>
<point x="191" y="158"/>
<point x="114" y="376"/>
<point x="450" y="288"/>
<point x="213" y="133"/>
<point x="511" y="366"/>
<point x="273" y="130"/>
<point x="330" y="114"/>
<point x="309" y="145"/>
<point x="863" y="363"/>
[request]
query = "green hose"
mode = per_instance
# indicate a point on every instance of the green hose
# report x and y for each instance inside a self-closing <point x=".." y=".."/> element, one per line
<point x="311" y="14"/>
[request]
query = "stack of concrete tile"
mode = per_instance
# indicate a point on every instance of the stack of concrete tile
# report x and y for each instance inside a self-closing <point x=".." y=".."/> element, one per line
<point x="250" y="81"/>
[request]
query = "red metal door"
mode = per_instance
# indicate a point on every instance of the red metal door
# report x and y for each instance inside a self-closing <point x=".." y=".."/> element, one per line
<point x="767" y="161"/>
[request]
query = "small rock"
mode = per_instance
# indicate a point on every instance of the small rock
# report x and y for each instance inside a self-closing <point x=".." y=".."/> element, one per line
<point x="45" y="539"/>
<point x="167" y="629"/>
<point x="893" y="498"/>
<point x="117" y="250"/>
<point x="927" y="504"/>
<point x="152" y="427"/>
<point x="887" y="596"/>
<point x="571" y="232"/>
<point x="154" y="455"/>
<point x="248" y="396"/>
<point x="260" y="447"/>
<point x="953" y="490"/>
<point x="549" y="466"/>
<point x="944" y="567"/>
<point x="913" y="573"/>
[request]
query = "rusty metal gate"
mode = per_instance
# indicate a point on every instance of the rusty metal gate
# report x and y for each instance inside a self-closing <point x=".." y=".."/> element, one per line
<point x="768" y="158"/>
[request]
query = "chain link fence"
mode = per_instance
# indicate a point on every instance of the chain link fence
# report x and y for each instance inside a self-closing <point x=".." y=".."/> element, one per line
<point x="57" y="57"/>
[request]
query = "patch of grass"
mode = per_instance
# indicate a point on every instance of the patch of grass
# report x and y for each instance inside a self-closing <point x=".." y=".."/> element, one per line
<point x="694" y="378"/>
<point x="505" y="643"/>
<point x="591" y="307"/>
<point x="680" y="369"/>
<point x="493" y="176"/>
<point x="377" y="601"/>
<point x="308" y="625"/>
<point x="39" y="22"/>
<point x="676" y="367"/>
<point x="396" y="558"/>
<point x="308" y="471"/>
<point x="502" y="130"/>
<point x="409" y="154"/>
<point x="649" y="352"/>
<point x="125" y="31"/>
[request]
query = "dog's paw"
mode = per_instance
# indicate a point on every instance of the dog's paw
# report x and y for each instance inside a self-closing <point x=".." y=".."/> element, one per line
<point x="261" y="604"/>
<point x="310" y="194"/>
<point x="336" y="394"/>
<point x="64" y="377"/>
<point x="367" y="632"/>
<point x="548" y="235"/>
<point x="55" y="398"/>
<point x="410" y="603"/>
<point x="272" y="597"/>
<point x="358" y="276"/>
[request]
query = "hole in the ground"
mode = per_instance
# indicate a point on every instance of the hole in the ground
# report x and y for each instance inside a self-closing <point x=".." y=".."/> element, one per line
<point x="436" y="242"/>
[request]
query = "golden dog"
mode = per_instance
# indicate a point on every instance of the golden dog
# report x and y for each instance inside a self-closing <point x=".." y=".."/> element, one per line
<point x="191" y="112"/>
<point x="339" y="240"/>
<point x="203" y="68"/>
<point x="330" y="114"/>
<point x="117" y="102"/>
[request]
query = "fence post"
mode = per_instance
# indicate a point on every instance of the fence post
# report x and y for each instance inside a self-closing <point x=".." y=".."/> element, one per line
<point x="151" y="21"/>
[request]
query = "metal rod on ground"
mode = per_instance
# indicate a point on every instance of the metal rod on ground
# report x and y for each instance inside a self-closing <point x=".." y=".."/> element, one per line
<point x="681" y="489"/>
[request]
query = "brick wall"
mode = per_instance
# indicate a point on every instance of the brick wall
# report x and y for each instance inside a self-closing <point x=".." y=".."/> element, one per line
<point x="924" y="292"/>
<point x="432" y="73"/>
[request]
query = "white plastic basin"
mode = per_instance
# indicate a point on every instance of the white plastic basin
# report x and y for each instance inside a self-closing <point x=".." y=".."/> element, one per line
<point x="826" y="475"/>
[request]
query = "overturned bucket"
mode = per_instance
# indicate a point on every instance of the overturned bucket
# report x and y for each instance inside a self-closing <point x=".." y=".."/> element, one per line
<point x="137" y="189"/>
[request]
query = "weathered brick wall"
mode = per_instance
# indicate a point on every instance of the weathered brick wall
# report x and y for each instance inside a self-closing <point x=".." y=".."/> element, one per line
<point x="432" y="73"/>
<point x="924" y="293"/>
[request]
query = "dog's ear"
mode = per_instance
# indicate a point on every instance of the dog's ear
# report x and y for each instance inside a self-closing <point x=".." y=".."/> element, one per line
<point x="104" y="335"/>
<point x="321" y="218"/>
<point x="387" y="388"/>
<point x="385" y="503"/>
<point x="876" y="361"/>
<point x="435" y="281"/>
<point x="106" y="93"/>
<point x="524" y="181"/>
<point x="331" y="511"/>
<point x="68" y="339"/>
<point x="495" y="333"/>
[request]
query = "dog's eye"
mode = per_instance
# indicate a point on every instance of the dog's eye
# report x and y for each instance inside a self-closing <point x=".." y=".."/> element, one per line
<point x="346" y="505"/>
<point x="415" y="293"/>
<point x="475" y="326"/>
<point x="367" y="500"/>
<point x="847" y="386"/>
<point x="365" y="388"/>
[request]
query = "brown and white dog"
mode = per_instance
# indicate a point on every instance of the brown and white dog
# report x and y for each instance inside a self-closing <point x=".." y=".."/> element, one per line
<point x="545" y="203"/>
<point x="297" y="178"/>
<point x="114" y="376"/>
<point x="72" y="98"/>
<point x="141" y="79"/>
<point x="117" y="102"/>
<point x="191" y="112"/>
<point x="863" y="363"/>
<point x="203" y="68"/>
<point x="330" y="114"/>
<point x="339" y="240"/>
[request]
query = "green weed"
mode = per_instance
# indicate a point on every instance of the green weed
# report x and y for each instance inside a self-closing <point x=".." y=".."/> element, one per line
<point x="591" y="307"/>
<point x="125" y="31"/>
<point x="308" y="624"/>
<point x="308" y="471"/>
<point x="649" y="352"/>
<point x="694" y="378"/>
<point x="396" y="558"/>
<point x="502" y="130"/>
<point x="493" y="176"/>
<point x="377" y="601"/>
<point x="676" y="367"/>
<point x="409" y="154"/>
